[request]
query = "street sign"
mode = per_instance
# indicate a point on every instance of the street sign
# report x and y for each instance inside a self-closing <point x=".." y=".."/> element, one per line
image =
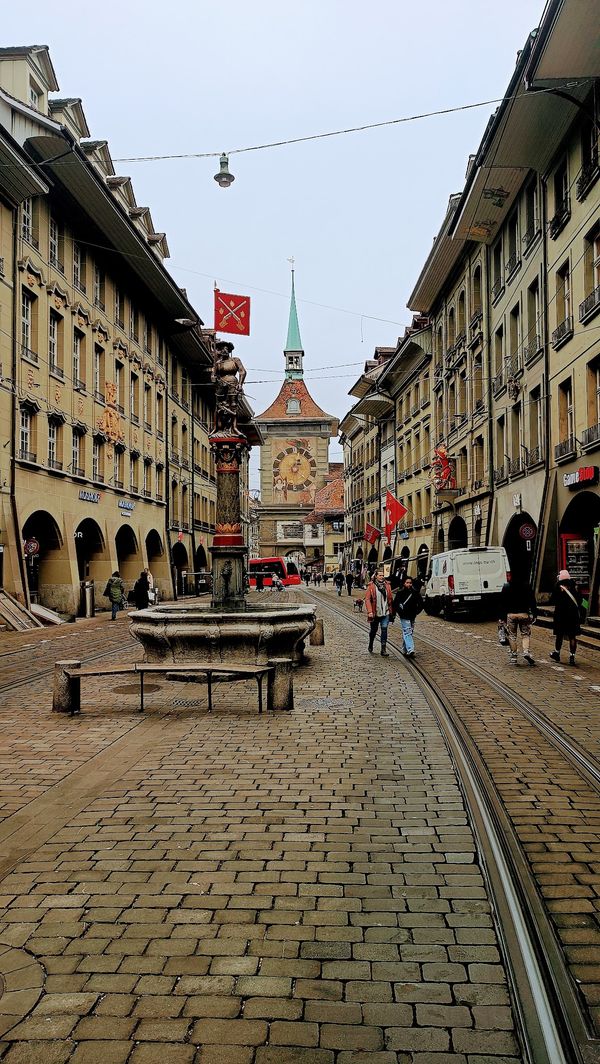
<point x="527" y="532"/>
<point x="32" y="547"/>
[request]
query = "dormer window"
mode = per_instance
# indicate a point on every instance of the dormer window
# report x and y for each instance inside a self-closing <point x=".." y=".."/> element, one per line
<point x="34" y="96"/>
<point x="293" y="406"/>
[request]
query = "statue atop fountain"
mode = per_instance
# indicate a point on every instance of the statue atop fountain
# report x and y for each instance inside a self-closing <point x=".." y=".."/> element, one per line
<point x="229" y="447"/>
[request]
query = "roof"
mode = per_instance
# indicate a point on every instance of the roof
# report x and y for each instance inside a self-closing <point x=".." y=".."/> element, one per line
<point x="293" y="342"/>
<point x="18" y="178"/>
<point x="42" y="54"/>
<point x="439" y="263"/>
<point x="329" y="500"/>
<point x="294" y="389"/>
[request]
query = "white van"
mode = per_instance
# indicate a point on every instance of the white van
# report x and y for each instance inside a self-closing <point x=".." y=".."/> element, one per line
<point x="466" y="579"/>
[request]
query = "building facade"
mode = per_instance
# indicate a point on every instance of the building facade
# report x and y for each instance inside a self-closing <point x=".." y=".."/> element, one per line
<point x="294" y="457"/>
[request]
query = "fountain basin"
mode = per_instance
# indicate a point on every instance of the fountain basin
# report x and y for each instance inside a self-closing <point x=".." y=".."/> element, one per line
<point x="192" y="633"/>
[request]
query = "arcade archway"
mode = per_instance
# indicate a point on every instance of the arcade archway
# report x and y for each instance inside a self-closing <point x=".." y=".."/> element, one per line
<point x="579" y="543"/>
<point x="128" y="554"/>
<point x="93" y="562"/>
<point x="179" y="555"/>
<point x="158" y="563"/>
<point x="457" y="534"/>
<point x="519" y="544"/>
<point x="422" y="561"/>
<point x="49" y="579"/>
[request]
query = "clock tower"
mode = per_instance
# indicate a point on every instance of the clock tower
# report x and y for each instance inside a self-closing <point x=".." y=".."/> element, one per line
<point x="294" y="457"/>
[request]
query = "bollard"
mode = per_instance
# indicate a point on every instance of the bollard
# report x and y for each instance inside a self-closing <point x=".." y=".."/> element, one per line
<point x="66" y="697"/>
<point x="317" y="636"/>
<point x="280" y="690"/>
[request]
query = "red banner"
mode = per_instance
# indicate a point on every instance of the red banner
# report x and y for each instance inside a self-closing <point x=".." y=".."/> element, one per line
<point x="372" y="534"/>
<point x="394" y="512"/>
<point x="232" y="313"/>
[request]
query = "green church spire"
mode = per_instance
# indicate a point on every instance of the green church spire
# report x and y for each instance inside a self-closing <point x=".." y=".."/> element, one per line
<point x="294" y="352"/>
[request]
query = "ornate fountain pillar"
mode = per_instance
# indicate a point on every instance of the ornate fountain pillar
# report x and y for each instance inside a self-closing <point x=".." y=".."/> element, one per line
<point x="228" y="549"/>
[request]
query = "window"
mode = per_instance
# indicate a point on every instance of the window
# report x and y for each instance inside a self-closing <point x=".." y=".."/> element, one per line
<point x="500" y="447"/>
<point x="27" y="325"/>
<point x="147" y="336"/>
<point x="54" y="434"/>
<point x="118" y="469"/>
<point x="514" y="259"/>
<point x="99" y="372"/>
<point x="499" y="349"/>
<point x="174" y="378"/>
<point x="515" y="338"/>
<point x="591" y="304"/>
<point x="534" y="453"/>
<point x="55" y="244"/>
<point x="476" y="295"/>
<point x="531" y="213"/>
<point x="159" y="483"/>
<point x="497" y="269"/>
<point x="534" y="326"/>
<point x="119" y="308"/>
<point x="147" y="477"/>
<point x="54" y="343"/>
<point x="78" y="359"/>
<point x="133" y="472"/>
<point x="76" y="457"/>
<point x="27" y="220"/>
<point x="97" y="460"/>
<point x="566" y="420"/>
<point x="461" y="314"/>
<point x="293" y="406"/>
<point x="134" y="398"/>
<point x="78" y="268"/>
<point x="451" y="328"/>
<point x="120" y="383"/>
<point x="562" y="207"/>
<point x="159" y="416"/>
<point x="593" y="395"/>
<point x="34" y="96"/>
<point x="26" y="435"/>
<point x="133" y="324"/>
<point x="147" y="407"/>
<point x="184" y="388"/>
<point x="99" y="288"/>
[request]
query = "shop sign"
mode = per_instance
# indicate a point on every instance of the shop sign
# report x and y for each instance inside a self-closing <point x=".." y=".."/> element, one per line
<point x="527" y="532"/>
<point x="32" y="547"/>
<point x="125" y="504"/>
<point x="89" y="496"/>
<point x="517" y="500"/>
<point x="588" y="475"/>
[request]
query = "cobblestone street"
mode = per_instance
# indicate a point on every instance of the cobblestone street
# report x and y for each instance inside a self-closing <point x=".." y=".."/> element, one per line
<point x="296" y="888"/>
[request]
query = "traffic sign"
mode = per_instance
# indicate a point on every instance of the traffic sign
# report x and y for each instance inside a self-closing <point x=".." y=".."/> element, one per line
<point x="527" y="531"/>
<point x="32" y="547"/>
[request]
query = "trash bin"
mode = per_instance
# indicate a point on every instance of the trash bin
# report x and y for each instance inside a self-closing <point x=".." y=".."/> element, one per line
<point x="87" y="608"/>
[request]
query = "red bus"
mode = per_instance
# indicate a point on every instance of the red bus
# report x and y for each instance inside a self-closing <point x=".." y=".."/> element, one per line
<point x="286" y="571"/>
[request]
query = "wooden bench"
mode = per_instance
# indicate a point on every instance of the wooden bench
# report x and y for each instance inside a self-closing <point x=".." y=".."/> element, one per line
<point x="280" y="692"/>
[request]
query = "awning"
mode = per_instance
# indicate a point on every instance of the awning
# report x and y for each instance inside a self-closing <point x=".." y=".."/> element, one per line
<point x="568" y="45"/>
<point x="18" y="179"/>
<point x="374" y="405"/>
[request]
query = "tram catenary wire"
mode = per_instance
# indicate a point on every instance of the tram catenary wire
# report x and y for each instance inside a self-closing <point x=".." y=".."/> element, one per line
<point x="554" y="1027"/>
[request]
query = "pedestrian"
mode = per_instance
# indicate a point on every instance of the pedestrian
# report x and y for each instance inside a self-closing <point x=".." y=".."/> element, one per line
<point x="325" y="579"/>
<point x="115" y="593"/>
<point x="319" y="580"/>
<point x="566" y="624"/>
<point x="338" y="581"/>
<point x="140" y="591"/>
<point x="307" y="577"/>
<point x="260" y="581"/>
<point x="518" y="610"/>
<point x="408" y="603"/>
<point x="349" y="581"/>
<point x="276" y="582"/>
<point x="152" y="594"/>
<point x="380" y="609"/>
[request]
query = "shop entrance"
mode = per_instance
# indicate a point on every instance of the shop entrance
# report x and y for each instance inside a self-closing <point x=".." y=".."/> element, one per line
<point x="48" y="571"/>
<point x="519" y="544"/>
<point x="181" y="566"/>
<point x="128" y="554"/>
<point x="457" y="534"/>
<point x="579" y="535"/>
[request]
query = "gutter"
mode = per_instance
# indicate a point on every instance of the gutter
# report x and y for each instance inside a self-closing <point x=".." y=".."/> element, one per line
<point x="13" y="416"/>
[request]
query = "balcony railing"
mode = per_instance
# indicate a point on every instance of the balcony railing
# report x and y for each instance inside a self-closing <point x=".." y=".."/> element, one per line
<point x="133" y="487"/>
<point x="497" y="288"/>
<point x="99" y="397"/>
<point x="185" y="403"/>
<point x="134" y="419"/>
<point x="58" y="265"/>
<point x="27" y="456"/>
<point x="32" y="356"/>
<point x="134" y="336"/>
<point x="78" y="471"/>
<point x="535" y="456"/>
<point x="476" y="319"/>
<point x="53" y="464"/>
<point x="56" y="371"/>
<point x="160" y="434"/>
<point x="530" y="235"/>
<point x="120" y="323"/>
<point x="532" y="348"/>
<point x="590" y="173"/>
<point x="78" y="385"/>
<point x="99" y="303"/>
<point x="98" y="477"/>
<point x="590" y="305"/>
<point x="415" y="410"/>
<point x="563" y="333"/>
<point x="119" y="484"/>
<point x="500" y="474"/>
<point x="512" y="264"/>
<point x="148" y="426"/>
<point x="185" y="462"/>
<point x="561" y="217"/>
<point x="513" y="365"/>
<point x="591" y="436"/>
<point x="479" y="406"/>
<point x="79" y="285"/>
<point x="498" y="382"/>
<point x="515" y="467"/>
<point x="477" y="485"/>
<point x="159" y="497"/>
<point x="565" y="449"/>
<point x="120" y="408"/>
<point x="175" y="457"/>
<point x="147" y="493"/>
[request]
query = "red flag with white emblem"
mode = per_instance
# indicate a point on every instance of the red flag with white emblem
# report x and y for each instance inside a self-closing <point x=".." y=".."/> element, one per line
<point x="394" y="512"/>
<point x="232" y="313"/>
<point x="372" y="534"/>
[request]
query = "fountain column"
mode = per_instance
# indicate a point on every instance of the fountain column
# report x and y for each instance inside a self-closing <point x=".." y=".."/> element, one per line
<point x="228" y="551"/>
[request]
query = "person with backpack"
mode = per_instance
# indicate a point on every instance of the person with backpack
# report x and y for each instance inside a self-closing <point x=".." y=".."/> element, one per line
<point x="408" y="603"/>
<point x="115" y="593"/>
<point x="518" y="611"/>
<point x="566" y="624"/>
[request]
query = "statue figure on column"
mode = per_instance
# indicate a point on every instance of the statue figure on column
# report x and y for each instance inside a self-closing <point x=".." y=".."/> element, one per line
<point x="229" y="374"/>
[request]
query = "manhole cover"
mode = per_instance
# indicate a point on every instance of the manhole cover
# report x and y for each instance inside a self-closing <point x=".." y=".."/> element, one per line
<point x="134" y="688"/>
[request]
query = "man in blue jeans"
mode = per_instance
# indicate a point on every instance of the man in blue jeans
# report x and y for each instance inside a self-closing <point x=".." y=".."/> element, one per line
<point x="407" y="604"/>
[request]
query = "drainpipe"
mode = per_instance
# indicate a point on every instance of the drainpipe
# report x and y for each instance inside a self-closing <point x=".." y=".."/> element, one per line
<point x="13" y="417"/>
<point x="168" y="477"/>
<point x="193" y="526"/>
<point x="491" y="421"/>
<point x="537" y="561"/>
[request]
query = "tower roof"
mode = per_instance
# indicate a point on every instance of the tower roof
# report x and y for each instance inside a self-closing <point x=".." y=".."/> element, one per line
<point x="293" y="342"/>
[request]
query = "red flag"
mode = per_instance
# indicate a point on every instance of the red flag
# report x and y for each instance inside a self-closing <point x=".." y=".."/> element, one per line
<point x="232" y="313"/>
<point x="372" y="534"/>
<point x="394" y="512"/>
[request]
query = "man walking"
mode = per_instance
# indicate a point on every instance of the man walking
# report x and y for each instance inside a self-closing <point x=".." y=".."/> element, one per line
<point x="349" y="582"/>
<point x="115" y="593"/>
<point x="408" y="604"/>
<point x="380" y="609"/>
<point x="338" y="580"/>
<point x="518" y="609"/>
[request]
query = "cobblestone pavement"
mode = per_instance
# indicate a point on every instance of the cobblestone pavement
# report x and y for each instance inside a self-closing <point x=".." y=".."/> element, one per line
<point x="296" y="888"/>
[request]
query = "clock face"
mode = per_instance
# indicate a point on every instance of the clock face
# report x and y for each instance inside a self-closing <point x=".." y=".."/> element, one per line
<point x="295" y="467"/>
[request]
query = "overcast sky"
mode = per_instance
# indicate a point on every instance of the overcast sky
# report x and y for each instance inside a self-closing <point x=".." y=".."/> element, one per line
<point x="358" y="212"/>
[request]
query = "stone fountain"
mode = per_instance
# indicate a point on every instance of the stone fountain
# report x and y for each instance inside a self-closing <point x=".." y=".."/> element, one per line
<point x="229" y="630"/>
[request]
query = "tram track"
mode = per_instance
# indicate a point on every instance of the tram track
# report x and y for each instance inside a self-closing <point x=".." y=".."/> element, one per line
<point x="555" y="1010"/>
<point x="30" y="678"/>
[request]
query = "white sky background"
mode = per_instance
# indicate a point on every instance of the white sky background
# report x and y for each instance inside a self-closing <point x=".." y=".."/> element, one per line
<point x="358" y="212"/>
